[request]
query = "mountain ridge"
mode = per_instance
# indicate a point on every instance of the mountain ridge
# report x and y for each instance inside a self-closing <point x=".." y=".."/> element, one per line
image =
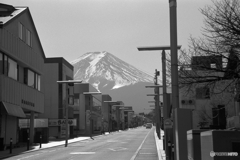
<point x="101" y="68"/>
<point x="111" y="75"/>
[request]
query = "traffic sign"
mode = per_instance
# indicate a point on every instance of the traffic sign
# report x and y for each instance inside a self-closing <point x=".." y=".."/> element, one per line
<point x="168" y="123"/>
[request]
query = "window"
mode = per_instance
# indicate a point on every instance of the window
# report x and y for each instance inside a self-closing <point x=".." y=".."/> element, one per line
<point x="20" y="31"/>
<point x="213" y="65"/>
<point x="24" y="34"/>
<point x="37" y="81"/>
<point x="12" y="69"/>
<point x="32" y="79"/>
<point x="1" y="63"/>
<point x="8" y="66"/>
<point x="202" y="93"/>
<point x="28" y="37"/>
<point x="5" y="65"/>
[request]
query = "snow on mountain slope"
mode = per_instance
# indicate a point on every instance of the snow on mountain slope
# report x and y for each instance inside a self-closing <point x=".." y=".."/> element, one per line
<point x="104" y="70"/>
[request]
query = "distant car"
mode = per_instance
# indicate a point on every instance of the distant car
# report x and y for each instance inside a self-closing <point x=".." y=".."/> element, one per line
<point x="148" y="125"/>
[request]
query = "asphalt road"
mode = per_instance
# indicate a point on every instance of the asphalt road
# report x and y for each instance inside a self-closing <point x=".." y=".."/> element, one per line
<point x="134" y="144"/>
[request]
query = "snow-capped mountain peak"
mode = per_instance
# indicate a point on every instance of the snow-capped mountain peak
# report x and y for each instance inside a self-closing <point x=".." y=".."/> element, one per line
<point x="104" y="70"/>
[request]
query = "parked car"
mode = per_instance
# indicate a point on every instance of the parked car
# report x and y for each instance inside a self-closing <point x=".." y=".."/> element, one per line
<point x="149" y="125"/>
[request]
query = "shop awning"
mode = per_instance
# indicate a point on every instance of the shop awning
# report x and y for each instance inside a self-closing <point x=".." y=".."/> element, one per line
<point x="14" y="110"/>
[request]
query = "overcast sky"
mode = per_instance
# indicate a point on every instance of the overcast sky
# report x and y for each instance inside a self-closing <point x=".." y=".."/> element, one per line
<point x="70" y="28"/>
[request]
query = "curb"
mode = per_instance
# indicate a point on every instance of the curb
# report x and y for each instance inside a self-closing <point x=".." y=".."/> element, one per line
<point x="160" y="157"/>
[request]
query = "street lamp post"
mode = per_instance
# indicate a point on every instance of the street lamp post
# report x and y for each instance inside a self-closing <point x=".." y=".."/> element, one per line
<point x="174" y="53"/>
<point x="68" y="83"/>
<point x="165" y="109"/>
<point x="157" y="108"/>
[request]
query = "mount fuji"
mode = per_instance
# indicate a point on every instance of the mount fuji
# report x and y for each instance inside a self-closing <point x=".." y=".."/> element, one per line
<point x="111" y="75"/>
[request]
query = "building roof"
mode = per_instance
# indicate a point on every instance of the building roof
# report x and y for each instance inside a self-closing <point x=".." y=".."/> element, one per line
<point x="58" y="60"/>
<point x="8" y="12"/>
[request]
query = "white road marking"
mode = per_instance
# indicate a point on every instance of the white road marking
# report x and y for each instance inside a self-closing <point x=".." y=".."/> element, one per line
<point x="82" y="153"/>
<point x="117" y="149"/>
<point x="135" y="154"/>
<point x="147" y="153"/>
<point x="52" y="150"/>
<point x="112" y="141"/>
<point x="28" y="156"/>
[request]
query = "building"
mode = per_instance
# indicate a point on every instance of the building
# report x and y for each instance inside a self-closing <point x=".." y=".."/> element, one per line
<point x="116" y="116"/>
<point x="21" y="73"/>
<point x="210" y="110"/>
<point x="57" y="69"/>
<point x="106" y="112"/>
<point x="87" y="109"/>
<point x="126" y="112"/>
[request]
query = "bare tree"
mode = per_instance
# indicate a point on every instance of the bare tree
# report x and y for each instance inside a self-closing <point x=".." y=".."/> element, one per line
<point x="214" y="56"/>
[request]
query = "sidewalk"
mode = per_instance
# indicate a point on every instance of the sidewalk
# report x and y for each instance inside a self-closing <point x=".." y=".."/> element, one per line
<point x="159" y="144"/>
<point x="22" y="150"/>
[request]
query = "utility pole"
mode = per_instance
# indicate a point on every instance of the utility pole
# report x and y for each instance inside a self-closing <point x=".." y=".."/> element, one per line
<point x="166" y="108"/>
<point x="157" y="107"/>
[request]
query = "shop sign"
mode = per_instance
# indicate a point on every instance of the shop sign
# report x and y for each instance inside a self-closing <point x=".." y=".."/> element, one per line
<point x="59" y="122"/>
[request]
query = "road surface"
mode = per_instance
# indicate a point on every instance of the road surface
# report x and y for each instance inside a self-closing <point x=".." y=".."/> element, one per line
<point x="133" y="144"/>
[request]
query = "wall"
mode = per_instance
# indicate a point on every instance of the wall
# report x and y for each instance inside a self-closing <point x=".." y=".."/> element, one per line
<point x="202" y="108"/>
<point x="14" y="92"/>
<point x="9" y="126"/>
<point x="51" y="90"/>
<point x="106" y="107"/>
<point x="32" y="57"/>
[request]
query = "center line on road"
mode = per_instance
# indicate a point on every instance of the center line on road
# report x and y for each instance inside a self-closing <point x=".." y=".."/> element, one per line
<point x="135" y="154"/>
